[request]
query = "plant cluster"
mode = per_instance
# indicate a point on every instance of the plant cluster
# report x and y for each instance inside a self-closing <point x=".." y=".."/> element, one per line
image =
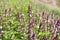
<point x="17" y="25"/>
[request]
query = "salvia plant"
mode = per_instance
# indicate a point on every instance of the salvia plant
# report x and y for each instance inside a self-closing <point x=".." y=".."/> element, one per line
<point x="17" y="24"/>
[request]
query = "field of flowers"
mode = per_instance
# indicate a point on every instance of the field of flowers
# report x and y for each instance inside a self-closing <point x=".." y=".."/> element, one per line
<point x="24" y="20"/>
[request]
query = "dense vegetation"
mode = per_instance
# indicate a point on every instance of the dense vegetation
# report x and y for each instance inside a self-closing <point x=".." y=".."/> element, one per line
<point x="24" y="20"/>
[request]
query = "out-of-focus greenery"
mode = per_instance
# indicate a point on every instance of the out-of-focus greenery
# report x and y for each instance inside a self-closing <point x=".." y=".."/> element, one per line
<point x="11" y="25"/>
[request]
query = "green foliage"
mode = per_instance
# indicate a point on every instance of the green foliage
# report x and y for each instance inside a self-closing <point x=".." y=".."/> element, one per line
<point x="11" y="25"/>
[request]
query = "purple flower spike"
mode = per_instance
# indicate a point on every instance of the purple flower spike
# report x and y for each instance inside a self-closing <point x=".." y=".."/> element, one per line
<point x="5" y="12"/>
<point x="33" y="36"/>
<point x="43" y="13"/>
<point x="0" y="17"/>
<point x="31" y="22"/>
<point x="29" y="11"/>
<point x="9" y="9"/>
<point x="58" y="23"/>
<point x="29" y="8"/>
